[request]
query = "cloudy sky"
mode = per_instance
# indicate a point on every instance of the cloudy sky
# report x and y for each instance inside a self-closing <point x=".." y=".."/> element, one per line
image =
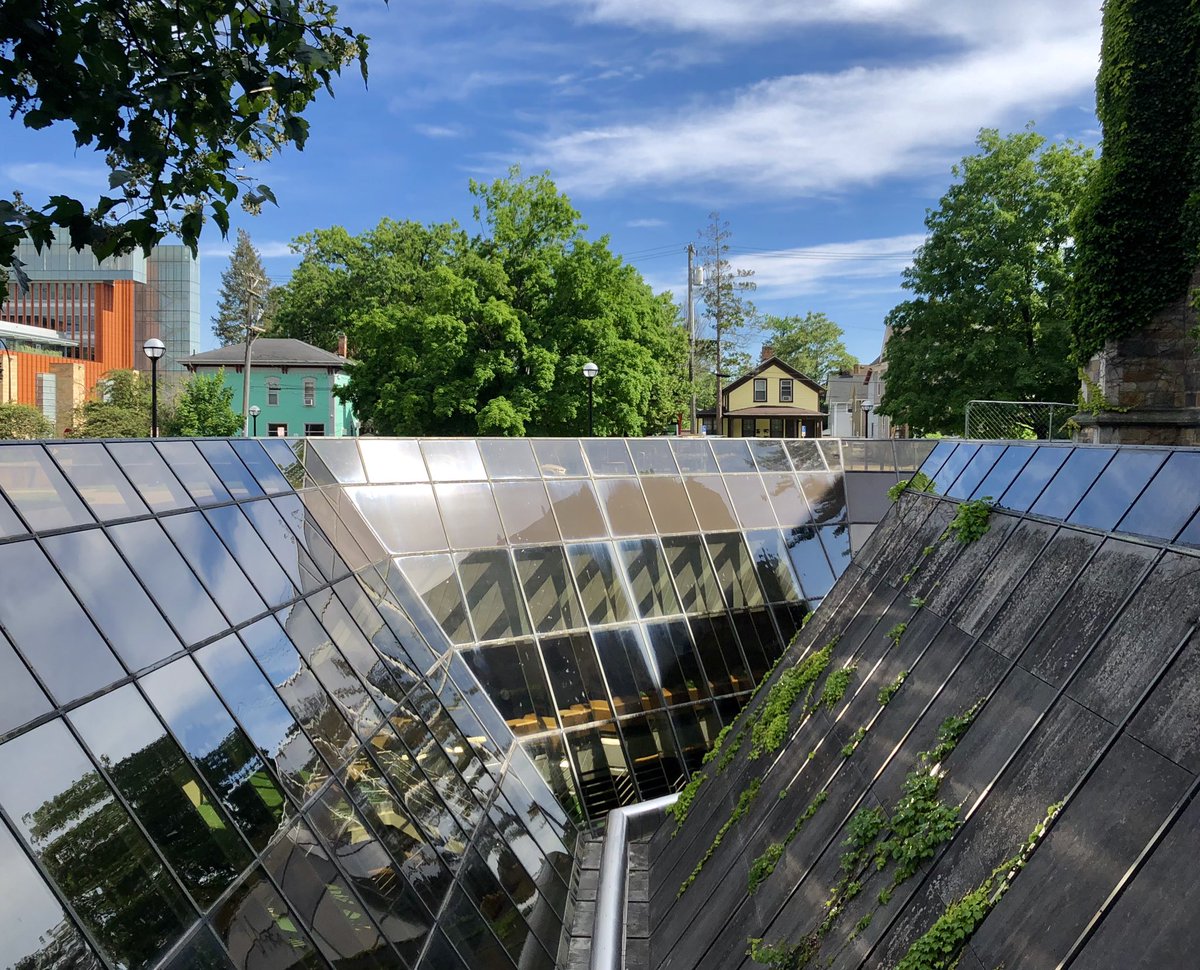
<point x="821" y="130"/>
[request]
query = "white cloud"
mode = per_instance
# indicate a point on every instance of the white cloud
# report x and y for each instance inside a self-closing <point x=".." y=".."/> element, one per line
<point x="271" y="249"/>
<point x="646" y="223"/>
<point x="439" y="131"/>
<point x="53" y="178"/>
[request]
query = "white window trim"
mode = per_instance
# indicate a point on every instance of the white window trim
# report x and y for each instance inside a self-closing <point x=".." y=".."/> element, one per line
<point x="791" y="390"/>
<point x="757" y="399"/>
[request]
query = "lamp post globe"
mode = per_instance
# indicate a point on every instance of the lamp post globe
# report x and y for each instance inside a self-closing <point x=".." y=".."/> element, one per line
<point x="590" y="371"/>
<point x="255" y="411"/>
<point x="154" y="349"/>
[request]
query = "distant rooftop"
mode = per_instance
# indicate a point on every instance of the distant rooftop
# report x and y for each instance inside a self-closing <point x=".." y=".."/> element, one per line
<point x="267" y="352"/>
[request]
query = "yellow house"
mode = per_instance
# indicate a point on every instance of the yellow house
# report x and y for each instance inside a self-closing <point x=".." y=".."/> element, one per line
<point x="772" y="401"/>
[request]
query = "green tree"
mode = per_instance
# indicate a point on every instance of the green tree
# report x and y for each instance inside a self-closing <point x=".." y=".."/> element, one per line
<point x="990" y="314"/>
<point x="453" y="334"/>
<point x="204" y="409"/>
<point x="811" y="343"/>
<point x="1138" y="227"/>
<point x="176" y="96"/>
<point x="21" y="421"/>
<point x="725" y="304"/>
<point x="245" y="295"/>
<point x="120" y="409"/>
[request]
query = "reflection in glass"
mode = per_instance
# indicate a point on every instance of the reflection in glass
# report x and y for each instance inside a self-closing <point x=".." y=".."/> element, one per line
<point x="492" y="597"/>
<point x="471" y="934"/>
<point x="550" y="759"/>
<point x="384" y="678"/>
<point x="1073" y="479"/>
<point x="1007" y="468"/>
<point x="808" y="558"/>
<point x="270" y="479"/>
<point x="405" y="517"/>
<point x="451" y="461"/>
<point x="630" y="682"/>
<point x="511" y="673"/>
<point x="626" y="507"/>
<point x="826" y="495"/>
<point x="769" y="455"/>
<point x="653" y="594"/>
<point x="735" y="570"/>
<point x="669" y="504"/>
<point x="10" y="525"/>
<point x="508" y="458"/>
<point x="760" y="644"/>
<point x="340" y="456"/>
<point x="604" y="598"/>
<point x="733" y="455"/>
<point x="392" y="460"/>
<point x="297" y="563"/>
<point x="1121" y="482"/>
<point x="953" y="467"/>
<point x="1169" y="500"/>
<point x="750" y="501"/>
<point x="774" y="570"/>
<point x="230" y="469"/>
<point x="260" y="932"/>
<point x="200" y="952"/>
<point x="937" y="458"/>
<point x="1024" y="491"/>
<point x="310" y="536"/>
<point x="575" y="679"/>
<point x="168" y="797"/>
<point x="695" y="456"/>
<point x="552" y="600"/>
<point x="678" y="668"/>
<point x="469" y="515"/>
<point x="372" y="632"/>
<point x="193" y="471"/>
<point x="225" y="757"/>
<point x="806" y="456"/>
<point x="694" y="576"/>
<point x="49" y="628"/>
<point x="92" y="471"/>
<point x="910" y="453"/>
<point x="21" y="699"/>
<point x="696" y="728"/>
<point x="836" y="540"/>
<point x="38" y="489"/>
<point x="830" y="448"/>
<point x="711" y="501"/>
<point x="608" y="456"/>
<point x="559" y="457"/>
<point x="870" y="455"/>
<point x="207" y="555"/>
<point x="652" y="456"/>
<point x="576" y="509"/>
<point x="977" y="469"/>
<point x="652" y="754"/>
<point x="525" y="511"/>
<point x="434" y="578"/>
<point x="252" y="553"/>
<point x="603" y="769"/>
<point x="259" y="710"/>
<point x="289" y="462"/>
<point x="65" y="812"/>
<point x="172" y="584"/>
<point x="717" y="645"/>
<point x="791" y="508"/>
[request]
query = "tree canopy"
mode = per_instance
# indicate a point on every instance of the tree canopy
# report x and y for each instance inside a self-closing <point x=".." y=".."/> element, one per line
<point x="176" y="96"/>
<point x="204" y="409"/>
<point x="811" y="343"/>
<point x="990" y="315"/>
<point x="487" y="334"/>
<point x="23" y="422"/>
<point x="120" y="408"/>
<point x="245" y="295"/>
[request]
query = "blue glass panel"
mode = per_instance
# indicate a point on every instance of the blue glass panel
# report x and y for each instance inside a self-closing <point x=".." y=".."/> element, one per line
<point x="1024" y="491"/>
<point x="950" y="471"/>
<point x="1169" y="500"/>
<point x="976" y="470"/>
<point x="1072" y="481"/>
<point x="937" y="458"/>
<point x="1007" y="467"/>
<point x="1122" y="481"/>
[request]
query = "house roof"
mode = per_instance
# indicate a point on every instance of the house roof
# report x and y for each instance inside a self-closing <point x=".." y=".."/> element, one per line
<point x="774" y="361"/>
<point x="267" y="352"/>
<point x="766" y="411"/>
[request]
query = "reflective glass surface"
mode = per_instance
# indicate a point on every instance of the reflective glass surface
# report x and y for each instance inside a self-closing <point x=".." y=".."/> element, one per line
<point x="405" y="517"/>
<point x="393" y="461"/>
<point x="436" y="581"/>
<point x="1073" y="479"/>
<point x="773" y="566"/>
<point x="230" y="469"/>
<point x="144" y="466"/>
<point x="576" y="510"/>
<point x="649" y="582"/>
<point x="668" y="501"/>
<point x="493" y="598"/>
<point x="751" y="502"/>
<point x="1007" y="467"/>
<point x="1114" y="491"/>
<point x="508" y="458"/>
<point x="735" y="570"/>
<point x="251" y="552"/>
<point x="525" y="511"/>
<point x="652" y="456"/>
<point x="102" y="485"/>
<point x="559" y="457"/>
<point x="1169" y="500"/>
<point x="710" y="499"/>
<point x="625" y="506"/>
<point x="1027" y="486"/>
<point x="733" y="455"/>
<point x="38" y="489"/>
<point x="608" y="456"/>
<point x="450" y="461"/>
<point x="975" y="471"/>
<point x="604" y="599"/>
<point x="340" y="456"/>
<point x="193" y="472"/>
<point x="21" y="699"/>
<point x="469" y="515"/>
<point x="207" y="555"/>
<point x="695" y="456"/>
<point x="551" y="595"/>
<point x="270" y="479"/>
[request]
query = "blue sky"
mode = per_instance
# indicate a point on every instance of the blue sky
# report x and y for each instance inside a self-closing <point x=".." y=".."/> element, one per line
<point x="821" y="130"/>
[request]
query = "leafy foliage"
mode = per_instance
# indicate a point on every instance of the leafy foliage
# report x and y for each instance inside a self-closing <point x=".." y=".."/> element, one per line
<point x="204" y="409"/>
<point x="726" y="305"/>
<point x="920" y="482"/>
<point x="245" y="295"/>
<point x="919" y="823"/>
<point x="811" y="343"/>
<point x="683" y="804"/>
<point x="771" y="727"/>
<point x="896" y="632"/>
<point x="1138" y="226"/>
<point x="176" y="97"/>
<point x="834" y="688"/>
<point x="23" y="422"/>
<point x="989" y="317"/>
<point x="855" y="740"/>
<point x="971" y="521"/>
<point x="488" y="335"/>
<point x="781" y="956"/>
<point x="765" y="864"/>
<point x="887" y="692"/>
<point x="745" y="800"/>
<point x="120" y="409"/>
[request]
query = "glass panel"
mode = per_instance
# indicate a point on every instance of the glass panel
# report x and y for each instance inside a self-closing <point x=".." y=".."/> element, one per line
<point x="451" y="461"/>
<point x="10" y="525"/>
<point x="603" y="596"/>
<point x="548" y="755"/>
<point x="469" y="515"/>
<point x="694" y="456"/>
<point x="373" y="635"/>
<point x="169" y="579"/>
<point x="1169" y="500"/>
<point x="868" y="456"/>
<point x="937" y="458"/>
<point x="201" y="952"/>
<point x="48" y="627"/>
<point x="575" y="679"/>
<point x="229" y="586"/>
<point x="576" y="509"/>
<point x="953" y="467"/>
<point x="168" y="797"/>
<point x="694" y="576"/>
<point x="716" y="645"/>
<point x="770" y="456"/>
<point x="471" y="934"/>
<point x="623" y="657"/>
<point x="157" y="484"/>
<point x="37" y="931"/>
<point x="559" y="457"/>
<point x="92" y="470"/>
<point x="1023" y="492"/>
<point x="1072" y="480"/>
<point x="340" y="456"/>
<point x="653" y="594"/>
<point x="194" y="472"/>
<point x="1007" y="467"/>
<point x="525" y="511"/>
<point x="393" y="461"/>
<point x="750" y="501"/>
<point x="652" y="754"/>
<point x="508" y="458"/>
<point x="735" y="570"/>
<point x="224" y="755"/>
<point x="678" y="667"/>
<point x="832" y="451"/>
<point x="826" y="496"/>
<point x="976" y="470"/>
<point x="602" y="765"/>
<point x="774" y="570"/>
<point x="257" y="707"/>
<point x="608" y="456"/>
<point x="230" y="469"/>
<point x="652" y="456"/>
<point x="270" y="479"/>
<point x="315" y="472"/>
<point x="38" y="489"/>
<point x="21" y="699"/>
<point x="733" y="455"/>
<point x="669" y="504"/>
<point x="791" y="508"/>
<point x="310" y="536"/>
<point x="345" y="633"/>
<point x="512" y="675"/>
<point x="806" y="456"/>
<point x="434" y="578"/>
<point x="260" y="931"/>
<point x="626" y="506"/>
<point x="1121" y="482"/>
<point x="812" y="566"/>
<point x="711" y="502"/>
<point x="492" y="597"/>
<point x="405" y="517"/>
<point x="296" y="562"/>
<point x="119" y="606"/>
<point x="548" y="588"/>
<point x="697" y="728"/>
<point x="65" y="812"/>
<point x="836" y="540"/>
<point x="252" y="553"/>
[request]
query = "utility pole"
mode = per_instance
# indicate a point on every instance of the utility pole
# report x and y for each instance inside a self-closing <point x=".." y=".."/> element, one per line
<point x="251" y="329"/>
<point x="718" y="321"/>
<point x="691" y="325"/>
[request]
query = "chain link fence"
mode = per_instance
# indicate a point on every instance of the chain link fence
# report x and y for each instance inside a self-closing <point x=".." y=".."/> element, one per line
<point x="1019" y="420"/>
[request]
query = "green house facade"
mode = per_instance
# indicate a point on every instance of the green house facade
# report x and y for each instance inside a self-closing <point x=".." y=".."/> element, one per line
<point x="291" y="382"/>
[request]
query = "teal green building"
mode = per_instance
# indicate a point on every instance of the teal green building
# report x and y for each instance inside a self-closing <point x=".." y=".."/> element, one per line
<point x="291" y="382"/>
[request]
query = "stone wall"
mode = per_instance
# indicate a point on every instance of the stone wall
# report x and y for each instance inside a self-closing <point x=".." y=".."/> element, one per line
<point x="1150" y="382"/>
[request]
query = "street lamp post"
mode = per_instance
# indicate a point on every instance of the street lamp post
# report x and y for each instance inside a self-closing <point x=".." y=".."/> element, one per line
<point x="154" y="349"/>
<point x="590" y="371"/>
<point x="255" y="411"/>
<point x="867" y="405"/>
